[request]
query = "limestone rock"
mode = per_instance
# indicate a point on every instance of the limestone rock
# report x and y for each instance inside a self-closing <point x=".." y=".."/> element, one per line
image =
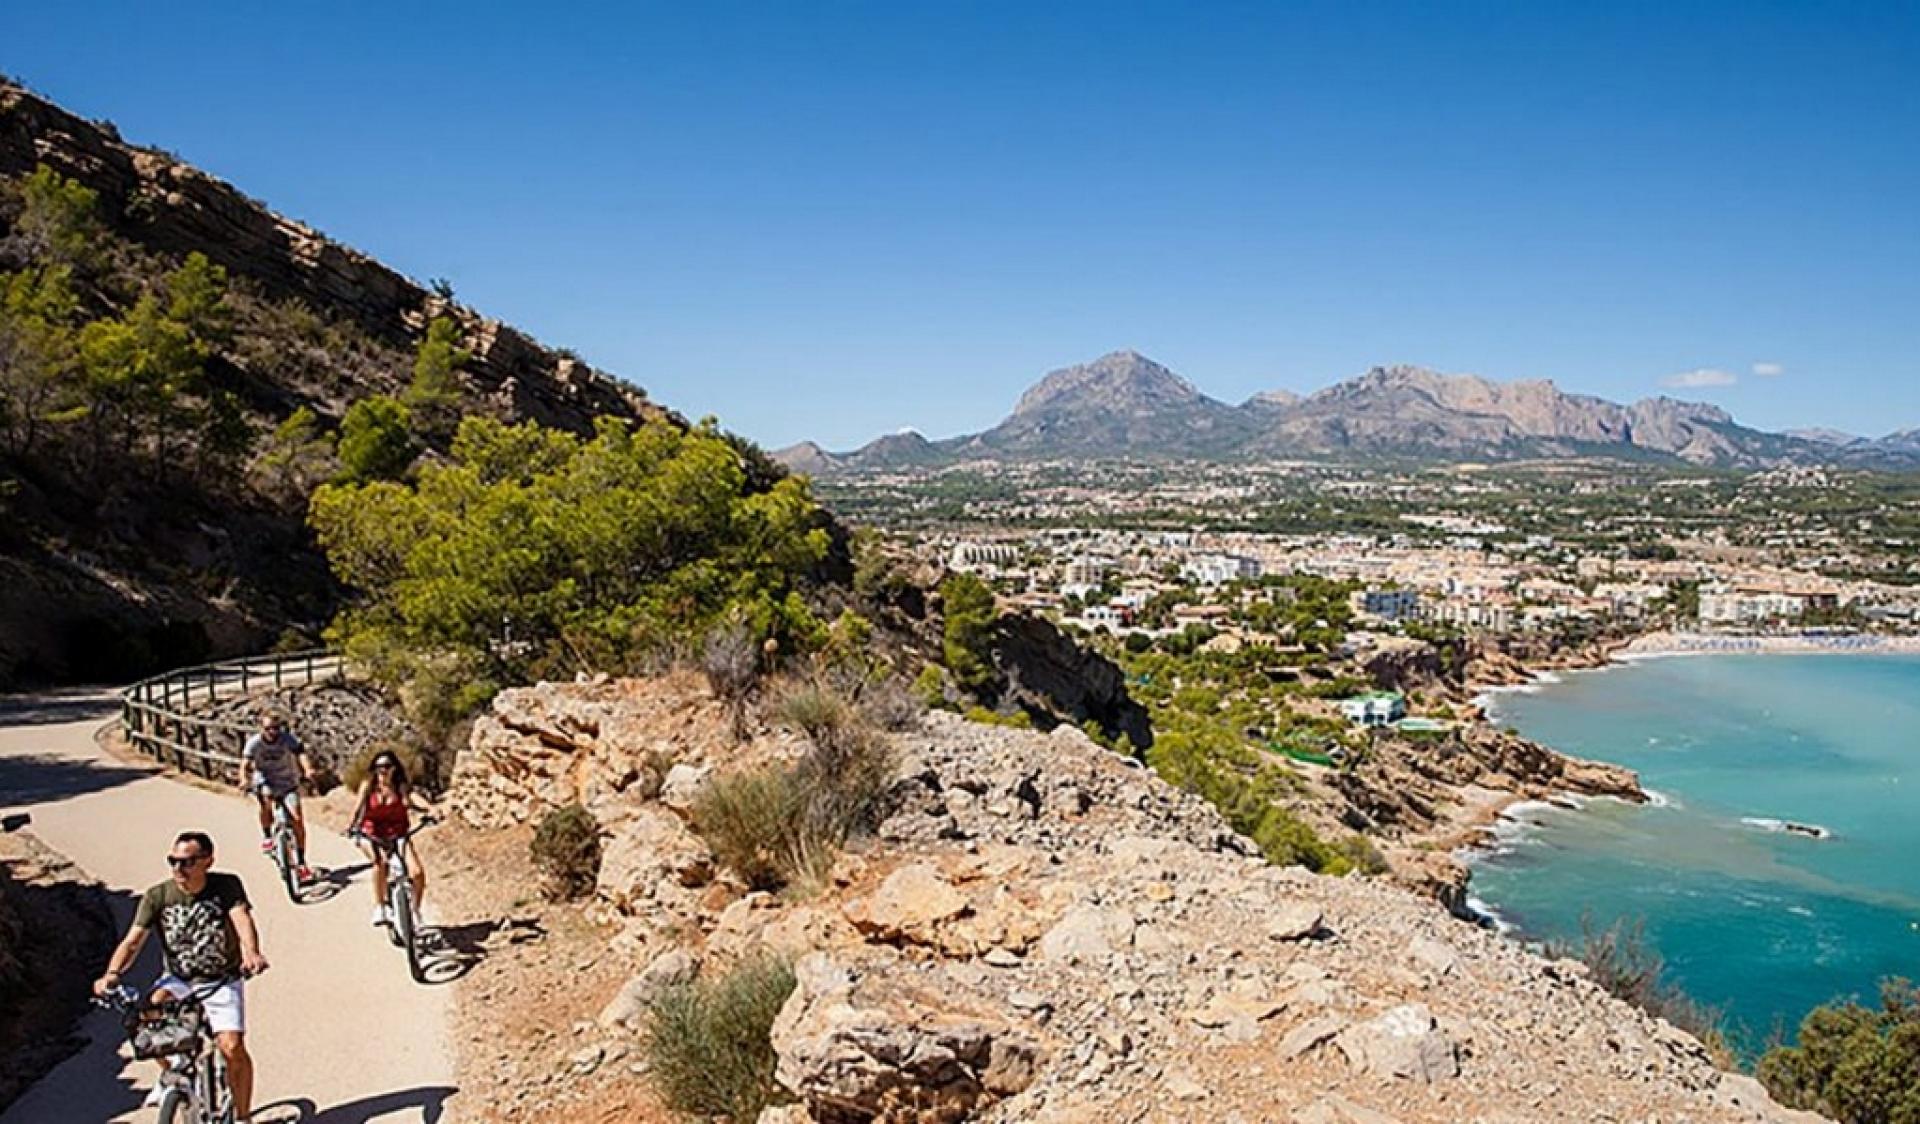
<point x="909" y="906"/>
<point x="854" y="1049"/>
<point x="1294" y="921"/>
<point x="1086" y="934"/>
<point x="1404" y="1042"/>
<point x="651" y="848"/>
<point x="670" y="968"/>
<point x="683" y="785"/>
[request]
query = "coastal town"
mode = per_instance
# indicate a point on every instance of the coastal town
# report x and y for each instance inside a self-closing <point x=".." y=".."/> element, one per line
<point x="1538" y="555"/>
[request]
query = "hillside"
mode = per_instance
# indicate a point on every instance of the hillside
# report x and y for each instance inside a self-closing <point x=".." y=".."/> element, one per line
<point x="1037" y="929"/>
<point x="1125" y="405"/>
<point x="158" y="519"/>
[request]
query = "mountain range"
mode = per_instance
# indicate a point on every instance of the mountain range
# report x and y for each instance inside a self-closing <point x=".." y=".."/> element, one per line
<point x="1126" y="405"/>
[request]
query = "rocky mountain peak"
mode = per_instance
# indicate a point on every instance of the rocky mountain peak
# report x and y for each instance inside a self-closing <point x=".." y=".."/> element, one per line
<point x="1271" y="400"/>
<point x="1122" y="380"/>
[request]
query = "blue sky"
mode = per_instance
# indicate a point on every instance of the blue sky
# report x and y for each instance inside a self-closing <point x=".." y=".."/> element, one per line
<point x="833" y="220"/>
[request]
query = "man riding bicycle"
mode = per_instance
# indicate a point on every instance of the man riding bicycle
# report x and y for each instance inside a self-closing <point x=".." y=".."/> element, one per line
<point x="209" y="944"/>
<point x="272" y="765"/>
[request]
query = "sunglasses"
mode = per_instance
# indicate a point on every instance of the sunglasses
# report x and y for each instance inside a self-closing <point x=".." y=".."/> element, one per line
<point x="384" y="767"/>
<point x="178" y="863"/>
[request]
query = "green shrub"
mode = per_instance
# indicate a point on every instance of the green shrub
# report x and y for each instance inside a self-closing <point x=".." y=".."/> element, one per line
<point x="709" y="1042"/>
<point x="1018" y="720"/>
<point x="783" y="824"/>
<point x="1362" y="855"/>
<point x="822" y="714"/>
<point x="930" y="686"/>
<point x="755" y="822"/>
<point x="1852" y="1062"/>
<point x="566" y="851"/>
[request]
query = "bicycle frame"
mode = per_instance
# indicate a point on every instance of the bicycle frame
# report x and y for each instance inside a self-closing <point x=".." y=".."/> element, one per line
<point x="405" y="929"/>
<point x="286" y="844"/>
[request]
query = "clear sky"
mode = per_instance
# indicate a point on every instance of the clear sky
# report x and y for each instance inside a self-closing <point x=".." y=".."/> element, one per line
<point x="833" y="220"/>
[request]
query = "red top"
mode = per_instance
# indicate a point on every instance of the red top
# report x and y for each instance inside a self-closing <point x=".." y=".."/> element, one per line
<point x="386" y="816"/>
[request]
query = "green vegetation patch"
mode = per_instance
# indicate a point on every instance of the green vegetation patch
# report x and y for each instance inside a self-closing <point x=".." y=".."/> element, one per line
<point x="529" y="552"/>
<point x="709" y="1042"/>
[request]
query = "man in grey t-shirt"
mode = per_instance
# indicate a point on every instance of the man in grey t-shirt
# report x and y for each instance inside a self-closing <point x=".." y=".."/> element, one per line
<point x="272" y="765"/>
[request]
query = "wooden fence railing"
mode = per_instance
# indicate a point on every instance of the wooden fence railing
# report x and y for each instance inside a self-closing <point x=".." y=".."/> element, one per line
<point x="157" y="713"/>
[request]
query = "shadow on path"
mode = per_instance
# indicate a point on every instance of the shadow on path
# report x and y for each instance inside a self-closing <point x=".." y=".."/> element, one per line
<point x="39" y="778"/>
<point x="431" y="1100"/>
<point x="57" y="708"/>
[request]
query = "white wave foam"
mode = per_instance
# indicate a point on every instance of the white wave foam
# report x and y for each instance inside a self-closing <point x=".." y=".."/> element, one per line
<point x="1479" y="908"/>
<point x="1782" y="827"/>
<point x="1658" y="799"/>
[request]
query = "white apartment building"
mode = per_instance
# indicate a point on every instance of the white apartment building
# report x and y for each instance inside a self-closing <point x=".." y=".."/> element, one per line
<point x="1725" y="605"/>
<point x="1218" y="569"/>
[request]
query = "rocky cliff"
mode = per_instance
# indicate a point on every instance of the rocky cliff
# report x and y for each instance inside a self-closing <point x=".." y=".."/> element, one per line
<point x="113" y="566"/>
<point x="169" y="206"/>
<point x="1040" y="930"/>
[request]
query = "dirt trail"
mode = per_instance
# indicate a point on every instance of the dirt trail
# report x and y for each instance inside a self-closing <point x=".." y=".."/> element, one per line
<point x="339" y="1033"/>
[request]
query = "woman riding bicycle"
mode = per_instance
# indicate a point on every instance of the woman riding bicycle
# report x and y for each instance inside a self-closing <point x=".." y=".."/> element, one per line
<point x="382" y="819"/>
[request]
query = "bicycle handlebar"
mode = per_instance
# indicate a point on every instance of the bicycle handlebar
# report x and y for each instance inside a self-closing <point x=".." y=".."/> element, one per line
<point x="426" y="821"/>
<point x="126" y="997"/>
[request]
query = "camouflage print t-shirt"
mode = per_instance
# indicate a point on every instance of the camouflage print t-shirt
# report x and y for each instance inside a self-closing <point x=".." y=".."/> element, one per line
<point x="196" y="930"/>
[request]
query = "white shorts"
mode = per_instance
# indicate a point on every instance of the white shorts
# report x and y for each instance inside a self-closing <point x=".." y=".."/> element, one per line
<point x="225" y="1006"/>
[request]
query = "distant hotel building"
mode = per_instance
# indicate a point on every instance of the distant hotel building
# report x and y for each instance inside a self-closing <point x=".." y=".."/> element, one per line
<point x="1219" y="569"/>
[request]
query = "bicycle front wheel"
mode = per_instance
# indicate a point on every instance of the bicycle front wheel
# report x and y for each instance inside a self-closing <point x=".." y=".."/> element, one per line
<point x="175" y="1108"/>
<point x="289" y="870"/>
<point x="405" y="918"/>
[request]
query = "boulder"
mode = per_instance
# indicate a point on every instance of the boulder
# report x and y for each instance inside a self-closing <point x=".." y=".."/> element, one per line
<point x="1086" y="934"/>
<point x="1404" y="1042"/>
<point x="683" y="785"/>
<point x="670" y="968"/>
<point x="860" y="1050"/>
<point x="909" y="906"/>
<point x="1294" y="921"/>
<point x="647" y="851"/>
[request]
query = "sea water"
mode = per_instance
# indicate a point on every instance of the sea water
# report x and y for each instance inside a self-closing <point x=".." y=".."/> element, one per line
<point x="1751" y="918"/>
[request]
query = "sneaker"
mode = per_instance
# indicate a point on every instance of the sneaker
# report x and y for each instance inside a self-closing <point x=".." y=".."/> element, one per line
<point x="154" y="1096"/>
<point x="380" y="915"/>
<point x="266" y="845"/>
<point x="303" y="873"/>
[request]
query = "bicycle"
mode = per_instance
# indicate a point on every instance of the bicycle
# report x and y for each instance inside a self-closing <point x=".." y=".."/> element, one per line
<point x="286" y="845"/>
<point x="405" y="928"/>
<point x="195" y="1082"/>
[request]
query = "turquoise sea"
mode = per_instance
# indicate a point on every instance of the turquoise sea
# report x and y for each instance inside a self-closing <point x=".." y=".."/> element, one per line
<point x="1760" y="922"/>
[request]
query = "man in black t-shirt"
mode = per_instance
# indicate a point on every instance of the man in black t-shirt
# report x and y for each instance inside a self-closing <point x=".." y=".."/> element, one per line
<point x="208" y="940"/>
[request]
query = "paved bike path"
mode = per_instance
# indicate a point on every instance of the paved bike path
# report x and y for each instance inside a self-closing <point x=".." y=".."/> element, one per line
<point x="339" y="1033"/>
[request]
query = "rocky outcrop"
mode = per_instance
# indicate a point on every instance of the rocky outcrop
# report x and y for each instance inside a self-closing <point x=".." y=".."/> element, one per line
<point x="605" y="744"/>
<point x="1041" y="930"/>
<point x="868" y="1046"/>
<point x="1047" y="673"/>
